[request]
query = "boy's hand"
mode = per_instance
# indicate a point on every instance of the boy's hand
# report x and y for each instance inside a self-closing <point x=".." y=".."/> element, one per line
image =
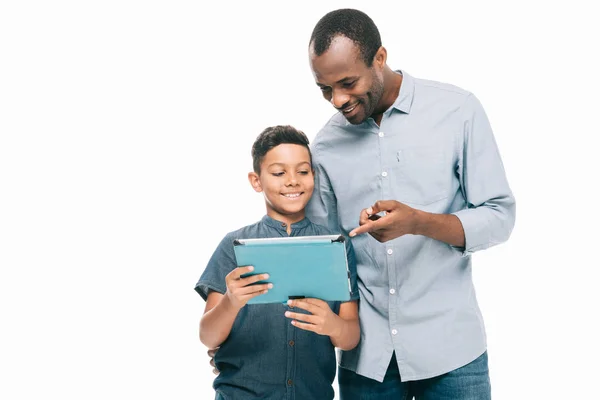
<point x="321" y="319"/>
<point x="211" y="353"/>
<point x="240" y="290"/>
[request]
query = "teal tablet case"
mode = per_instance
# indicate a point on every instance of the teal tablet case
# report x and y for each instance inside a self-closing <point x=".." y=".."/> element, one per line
<point x="302" y="266"/>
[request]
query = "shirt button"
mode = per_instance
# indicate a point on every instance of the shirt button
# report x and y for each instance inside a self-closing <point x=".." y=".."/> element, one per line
<point x="394" y="331"/>
<point x="381" y="134"/>
<point x="290" y="382"/>
<point x="384" y="174"/>
<point x="392" y="291"/>
<point x="390" y="251"/>
<point x="291" y="342"/>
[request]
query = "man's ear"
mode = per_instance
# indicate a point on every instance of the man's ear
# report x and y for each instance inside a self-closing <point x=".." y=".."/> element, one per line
<point x="254" y="180"/>
<point x="380" y="57"/>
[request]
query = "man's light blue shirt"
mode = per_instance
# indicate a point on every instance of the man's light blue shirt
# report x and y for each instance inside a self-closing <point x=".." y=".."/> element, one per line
<point x="434" y="151"/>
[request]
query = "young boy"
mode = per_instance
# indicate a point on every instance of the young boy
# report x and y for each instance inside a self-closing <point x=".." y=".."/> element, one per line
<point x="274" y="351"/>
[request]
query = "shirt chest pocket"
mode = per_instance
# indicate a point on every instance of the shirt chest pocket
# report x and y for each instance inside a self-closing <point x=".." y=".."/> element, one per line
<point x="422" y="175"/>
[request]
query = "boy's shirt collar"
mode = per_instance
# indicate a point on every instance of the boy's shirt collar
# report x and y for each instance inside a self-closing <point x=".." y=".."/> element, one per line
<point x="282" y="226"/>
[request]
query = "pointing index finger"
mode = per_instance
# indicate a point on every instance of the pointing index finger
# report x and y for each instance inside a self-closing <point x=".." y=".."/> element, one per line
<point x="367" y="227"/>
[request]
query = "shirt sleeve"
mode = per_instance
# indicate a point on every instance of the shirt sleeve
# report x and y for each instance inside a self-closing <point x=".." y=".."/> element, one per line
<point x="322" y="210"/>
<point x="490" y="214"/>
<point x="220" y="264"/>
<point x="322" y="207"/>
<point x="352" y="269"/>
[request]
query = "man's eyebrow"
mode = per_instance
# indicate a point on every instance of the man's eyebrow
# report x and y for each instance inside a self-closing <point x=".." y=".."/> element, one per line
<point x="343" y="80"/>
<point x="348" y="78"/>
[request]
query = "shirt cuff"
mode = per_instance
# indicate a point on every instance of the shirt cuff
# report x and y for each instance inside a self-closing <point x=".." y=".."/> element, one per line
<point x="476" y="237"/>
<point x="204" y="288"/>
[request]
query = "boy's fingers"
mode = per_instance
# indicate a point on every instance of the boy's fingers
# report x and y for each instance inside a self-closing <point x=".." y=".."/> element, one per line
<point x="305" y="326"/>
<point x="255" y="294"/>
<point x="211" y="352"/>
<point x="303" y="304"/>
<point x="317" y="302"/>
<point x="301" y="317"/>
<point x="246" y="290"/>
<point x="244" y="270"/>
<point x="238" y="272"/>
<point x="253" y="279"/>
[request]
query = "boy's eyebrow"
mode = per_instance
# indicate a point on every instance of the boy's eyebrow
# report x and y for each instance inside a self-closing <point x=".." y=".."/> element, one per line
<point x="284" y="164"/>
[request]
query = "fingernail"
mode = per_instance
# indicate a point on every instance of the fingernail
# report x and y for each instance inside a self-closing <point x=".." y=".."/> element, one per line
<point x="287" y="313"/>
<point x="250" y="268"/>
<point x="266" y="276"/>
<point x="352" y="234"/>
<point x="270" y="286"/>
<point x="370" y="210"/>
<point x="289" y="302"/>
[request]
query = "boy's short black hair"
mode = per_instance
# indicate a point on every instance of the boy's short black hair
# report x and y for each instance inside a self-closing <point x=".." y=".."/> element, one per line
<point x="353" y="24"/>
<point x="274" y="136"/>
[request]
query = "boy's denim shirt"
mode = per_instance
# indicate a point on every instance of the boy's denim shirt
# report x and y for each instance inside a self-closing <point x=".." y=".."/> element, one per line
<point x="265" y="356"/>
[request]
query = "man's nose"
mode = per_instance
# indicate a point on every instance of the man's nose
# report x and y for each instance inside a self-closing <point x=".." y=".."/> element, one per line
<point x="339" y="99"/>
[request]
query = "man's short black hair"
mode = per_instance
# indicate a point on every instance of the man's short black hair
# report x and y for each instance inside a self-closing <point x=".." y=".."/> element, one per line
<point x="272" y="137"/>
<point x="353" y="24"/>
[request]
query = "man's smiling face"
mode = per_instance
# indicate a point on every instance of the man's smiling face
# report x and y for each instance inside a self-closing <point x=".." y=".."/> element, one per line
<point x="346" y="81"/>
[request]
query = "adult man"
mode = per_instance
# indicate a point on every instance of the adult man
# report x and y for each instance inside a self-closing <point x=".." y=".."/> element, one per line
<point x="429" y="147"/>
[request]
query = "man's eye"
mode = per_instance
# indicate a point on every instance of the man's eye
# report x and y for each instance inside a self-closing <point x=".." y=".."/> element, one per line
<point x="277" y="173"/>
<point x="348" y="85"/>
<point x="325" y="89"/>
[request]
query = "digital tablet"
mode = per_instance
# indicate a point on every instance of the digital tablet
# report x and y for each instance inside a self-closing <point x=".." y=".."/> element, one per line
<point x="298" y="267"/>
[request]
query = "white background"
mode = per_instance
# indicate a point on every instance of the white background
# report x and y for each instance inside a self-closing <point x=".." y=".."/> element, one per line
<point x="126" y="129"/>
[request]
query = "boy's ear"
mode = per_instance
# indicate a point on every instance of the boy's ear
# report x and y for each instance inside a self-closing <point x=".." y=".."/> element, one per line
<point x="254" y="180"/>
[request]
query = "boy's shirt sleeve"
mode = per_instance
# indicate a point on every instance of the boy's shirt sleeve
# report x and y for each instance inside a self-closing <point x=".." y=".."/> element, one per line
<point x="220" y="264"/>
<point x="352" y="268"/>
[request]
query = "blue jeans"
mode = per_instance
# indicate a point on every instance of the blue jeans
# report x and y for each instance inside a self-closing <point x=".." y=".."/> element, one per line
<point x="471" y="382"/>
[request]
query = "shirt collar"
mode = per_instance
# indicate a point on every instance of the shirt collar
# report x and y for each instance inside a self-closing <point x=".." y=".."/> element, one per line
<point x="281" y="225"/>
<point x="407" y="92"/>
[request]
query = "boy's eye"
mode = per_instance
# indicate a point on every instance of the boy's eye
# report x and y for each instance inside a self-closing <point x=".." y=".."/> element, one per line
<point x="303" y="172"/>
<point x="277" y="173"/>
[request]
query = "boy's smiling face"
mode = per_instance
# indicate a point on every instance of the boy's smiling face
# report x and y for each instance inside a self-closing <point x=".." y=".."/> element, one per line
<point x="286" y="179"/>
